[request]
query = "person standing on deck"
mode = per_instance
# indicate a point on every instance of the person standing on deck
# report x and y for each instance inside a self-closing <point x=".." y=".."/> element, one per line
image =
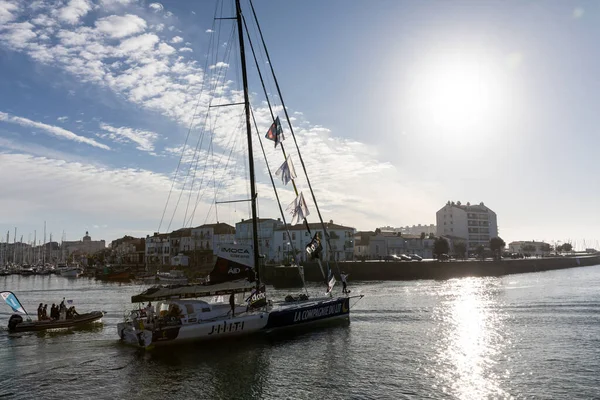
<point x="344" y="277"/>
<point x="40" y="308"/>
<point x="232" y="304"/>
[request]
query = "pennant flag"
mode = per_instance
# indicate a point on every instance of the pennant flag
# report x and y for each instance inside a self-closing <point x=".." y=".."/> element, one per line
<point x="286" y="172"/>
<point x="331" y="284"/>
<point x="13" y="302"/>
<point x="275" y="132"/>
<point x="298" y="209"/>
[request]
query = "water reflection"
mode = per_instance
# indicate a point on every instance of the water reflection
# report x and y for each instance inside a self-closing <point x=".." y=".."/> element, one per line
<point x="471" y="339"/>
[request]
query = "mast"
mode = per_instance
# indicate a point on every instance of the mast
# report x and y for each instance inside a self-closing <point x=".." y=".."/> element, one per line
<point x="249" y="135"/>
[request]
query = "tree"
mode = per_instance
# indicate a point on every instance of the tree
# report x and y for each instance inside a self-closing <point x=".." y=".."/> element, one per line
<point x="440" y="246"/>
<point x="431" y="236"/>
<point x="480" y="251"/>
<point x="528" y="249"/>
<point x="567" y="247"/>
<point x="460" y="249"/>
<point x="496" y="245"/>
<point x="422" y="236"/>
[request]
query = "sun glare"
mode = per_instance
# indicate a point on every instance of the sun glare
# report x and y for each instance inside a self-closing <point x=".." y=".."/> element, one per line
<point x="457" y="92"/>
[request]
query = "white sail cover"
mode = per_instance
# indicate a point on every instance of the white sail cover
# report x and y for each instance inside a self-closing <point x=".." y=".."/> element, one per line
<point x="192" y="291"/>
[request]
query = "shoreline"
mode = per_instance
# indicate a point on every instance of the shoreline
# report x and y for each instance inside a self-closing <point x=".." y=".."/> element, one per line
<point x="418" y="270"/>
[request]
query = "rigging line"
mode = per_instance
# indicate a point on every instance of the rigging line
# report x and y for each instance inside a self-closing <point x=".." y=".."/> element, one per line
<point x="184" y="145"/>
<point x="307" y="226"/>
<point x="183" y="153"/>
<point x="294" y="137"/>
<point x="201" y="193"/>
<point x="285" y="224"/>
<point x="234" y="138"/>
<point x="221" y="73"/>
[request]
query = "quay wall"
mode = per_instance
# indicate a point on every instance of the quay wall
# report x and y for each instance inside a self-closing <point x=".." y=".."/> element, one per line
<point x="413" y="270"/>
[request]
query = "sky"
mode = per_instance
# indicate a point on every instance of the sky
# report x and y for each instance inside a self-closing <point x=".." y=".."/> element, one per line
<point x="397" y="107"/>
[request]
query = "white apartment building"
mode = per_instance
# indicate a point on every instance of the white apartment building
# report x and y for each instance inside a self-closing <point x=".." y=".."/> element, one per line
<point x="341" y="239"/>
<point x="476" y="224"/>
<point x="266" y="229"/>
<point x="158" y="249"/>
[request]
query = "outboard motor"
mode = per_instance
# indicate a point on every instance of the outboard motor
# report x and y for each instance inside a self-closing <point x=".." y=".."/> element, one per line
<point x="14" y="320"/>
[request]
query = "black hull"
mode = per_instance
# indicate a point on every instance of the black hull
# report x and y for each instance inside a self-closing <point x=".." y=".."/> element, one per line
<point x="35" y="326"/>
<point x="309" y="312"/>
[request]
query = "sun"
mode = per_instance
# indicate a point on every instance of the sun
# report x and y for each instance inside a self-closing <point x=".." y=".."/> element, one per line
<point x="456" y="91"/>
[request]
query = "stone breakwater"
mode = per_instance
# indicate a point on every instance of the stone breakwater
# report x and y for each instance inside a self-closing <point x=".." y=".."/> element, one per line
<point x="413" y="270"/>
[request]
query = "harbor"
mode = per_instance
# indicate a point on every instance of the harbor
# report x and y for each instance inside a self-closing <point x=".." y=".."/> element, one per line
<point x="461" y="338"/>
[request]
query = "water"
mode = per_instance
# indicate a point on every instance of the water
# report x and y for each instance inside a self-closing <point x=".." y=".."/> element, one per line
<point x="520" y="336"/>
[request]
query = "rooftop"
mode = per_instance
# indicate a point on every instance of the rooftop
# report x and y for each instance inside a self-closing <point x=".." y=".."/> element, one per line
<point x="315" y="226"/>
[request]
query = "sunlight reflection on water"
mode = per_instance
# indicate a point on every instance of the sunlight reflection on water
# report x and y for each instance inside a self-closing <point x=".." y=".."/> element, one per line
<point x="471" y="341"/>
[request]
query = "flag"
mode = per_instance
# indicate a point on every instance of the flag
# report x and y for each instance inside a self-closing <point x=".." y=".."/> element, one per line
<point x="298" y="209"/>
<point x="286" y="172"/>
<point x="69" y="301"/>
<point x="13" y="302"/>
<point x="314" y="248"/>
<point x="275" y="132"/>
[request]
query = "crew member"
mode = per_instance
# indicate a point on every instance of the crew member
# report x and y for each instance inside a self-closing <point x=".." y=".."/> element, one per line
<point x="40" y="308"/>
<point x="232" y="304"/>
<point x="344" y="277"/>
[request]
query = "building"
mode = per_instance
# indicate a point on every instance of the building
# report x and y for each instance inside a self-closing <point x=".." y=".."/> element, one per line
<point x="410" y="230"/>
<point x="341" y="239"/>
<point x="266" y="229"/>
<point x="529" y="247"/>
<point x="361" y="244"/>
<point x="158" y="249"/>
<point x="476" y="224"/>
<point x="129" y="250"/>
<point x="210" y="236"/>
<point x="384" y="244"/>
<point x="85" y="246"/>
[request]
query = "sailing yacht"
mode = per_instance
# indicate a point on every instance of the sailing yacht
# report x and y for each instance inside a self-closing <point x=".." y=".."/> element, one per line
<point x="200" y="312"/>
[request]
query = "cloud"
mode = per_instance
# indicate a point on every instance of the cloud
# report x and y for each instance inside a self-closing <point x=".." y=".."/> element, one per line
<point x="144" y="139"/>
<point x="220" y="64"/>
<point x="184" y="49"/>
<point x="114" y="3"/>
<point x="6" y="11"/>
<point x="62" y="119"/>
<point x="177" y="39"/>
<point x="156" y="7"/>
<point x="74" y="10"/>
<point x="209" y="31"/>
<point x="53" y="130"/>
<point x="120" y="26"/>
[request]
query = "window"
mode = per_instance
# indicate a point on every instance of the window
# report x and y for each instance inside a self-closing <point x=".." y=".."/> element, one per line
<point x="293" y="235"/>
<point x="284" y="236"/>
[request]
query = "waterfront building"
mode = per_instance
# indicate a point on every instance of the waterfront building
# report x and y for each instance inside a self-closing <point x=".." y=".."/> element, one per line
<point x="475" y="224"/>
<point x="341" y="239"/>
<point x="129" y="250"/>
<point x="211" y="236"/>
<point x="86" y="246"/>
<point x="361" y="244"/>
<point x="158" y="249"/>
<point x="529" y="247"/>
<point x="266" y="229"/>
<point x="410" y="230"/>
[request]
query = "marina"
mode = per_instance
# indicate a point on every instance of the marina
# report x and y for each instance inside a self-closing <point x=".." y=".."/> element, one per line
<point x="458" y="338"/>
